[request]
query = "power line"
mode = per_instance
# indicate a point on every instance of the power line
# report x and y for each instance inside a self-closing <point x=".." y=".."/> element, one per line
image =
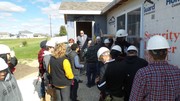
<point x="50" y="26"/>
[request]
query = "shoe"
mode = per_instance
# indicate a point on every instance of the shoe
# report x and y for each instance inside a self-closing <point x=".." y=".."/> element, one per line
<point x="88" y="85"/>
<point x="93" y="84"/>
<point x="80" y="81"/>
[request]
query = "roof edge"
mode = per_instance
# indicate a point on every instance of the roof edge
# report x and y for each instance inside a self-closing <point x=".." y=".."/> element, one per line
<point x="80" y="12"/>
<point x="110" y="5"/>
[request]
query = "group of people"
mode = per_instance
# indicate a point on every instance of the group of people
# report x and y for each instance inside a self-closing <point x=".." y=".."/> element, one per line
<point x="112" y="65"/>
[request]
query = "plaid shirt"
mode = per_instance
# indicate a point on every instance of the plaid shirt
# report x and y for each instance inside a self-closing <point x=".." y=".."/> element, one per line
<point x="159" y="81"/>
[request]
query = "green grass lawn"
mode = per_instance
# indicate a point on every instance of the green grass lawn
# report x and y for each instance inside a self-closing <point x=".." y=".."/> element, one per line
<point x="29" y="51"/>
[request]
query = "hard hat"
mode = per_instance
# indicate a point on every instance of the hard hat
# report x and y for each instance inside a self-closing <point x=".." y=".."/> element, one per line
<point x="121" y="33"/>
<point x="101" y="51"/>
<point x="3" y="64"/>
<point x="106" y="41"/>
<point x="97" y="38"/>
<point x="4" y="49"/>
<point x="117" y="48"/>
<point x="51" y="43"/>
<point x="132" y="48"/>
<point x="157" y="42"/>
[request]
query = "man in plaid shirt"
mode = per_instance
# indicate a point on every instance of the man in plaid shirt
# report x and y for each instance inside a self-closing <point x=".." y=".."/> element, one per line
<point x="159" y="81"/>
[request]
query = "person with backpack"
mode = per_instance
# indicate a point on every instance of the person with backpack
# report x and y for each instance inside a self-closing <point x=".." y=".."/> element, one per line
<point x="75" y="63"/>
<point x="47" y="78"/>
<point x="41" y="69"/>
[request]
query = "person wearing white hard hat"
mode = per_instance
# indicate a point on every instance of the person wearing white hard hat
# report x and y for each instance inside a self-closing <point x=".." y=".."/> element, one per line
<point x="9" y="90"/>
<point x="116" y="53"/>
<point x="107" y="43"/>
<point x="46" y="57"/>
<point x="121" y="35"/>
<point x="9" y="56"/>
<point x="132" y="63"/>
<point x="112" y="77"/>
<point x="159" y="81"/>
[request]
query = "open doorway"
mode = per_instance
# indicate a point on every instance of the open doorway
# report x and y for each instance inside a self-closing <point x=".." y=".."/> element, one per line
<point x="86" y="27"/>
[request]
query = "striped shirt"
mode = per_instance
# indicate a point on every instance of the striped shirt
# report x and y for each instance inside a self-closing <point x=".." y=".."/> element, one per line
<point x="159" y="81"/>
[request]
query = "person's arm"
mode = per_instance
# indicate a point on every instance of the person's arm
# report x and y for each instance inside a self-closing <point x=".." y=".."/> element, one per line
<point x="67" y="68"/>
<point x="102" y="83"/>
<point x="138" y="88"/>
<point x="76" y="62"/>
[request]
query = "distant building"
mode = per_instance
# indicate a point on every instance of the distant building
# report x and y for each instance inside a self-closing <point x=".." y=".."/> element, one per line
<point x="4" y="35"/>
<point x="25" y="34"/>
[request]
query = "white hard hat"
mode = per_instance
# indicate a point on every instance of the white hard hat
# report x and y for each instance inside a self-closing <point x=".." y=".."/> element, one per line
<point x="3" y="64"/>
<point x="117" y="48"/>
<point x="97" y="38"/>
<point x="157" y="42"/>
<point x="51" y="43"/>
<point x="101" y="51"/>
<point x="106" y="41"/>
<point x="4" y="49"/>
<point x="121" y="33"/>
<point x="132" y="48"/>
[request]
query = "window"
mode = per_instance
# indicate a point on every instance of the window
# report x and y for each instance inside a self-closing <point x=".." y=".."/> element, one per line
<point x="133" y="27"/>
<point x="121" y="22"/>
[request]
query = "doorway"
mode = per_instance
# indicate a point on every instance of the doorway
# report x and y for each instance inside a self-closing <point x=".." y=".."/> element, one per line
<point x="86" y="27"/>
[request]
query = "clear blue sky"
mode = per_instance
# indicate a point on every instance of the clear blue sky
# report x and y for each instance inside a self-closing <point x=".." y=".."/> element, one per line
<point x="32" y="15"/>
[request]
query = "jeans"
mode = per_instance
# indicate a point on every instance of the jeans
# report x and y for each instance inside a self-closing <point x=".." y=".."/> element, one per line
<point x="74" y="89"/>
<point x="63" y="94"/>
<point x="91" y="73"/>
<point x="42" y="89"/>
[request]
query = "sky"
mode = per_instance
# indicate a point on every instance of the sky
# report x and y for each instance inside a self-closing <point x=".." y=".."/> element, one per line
<point x="33" y="15"/>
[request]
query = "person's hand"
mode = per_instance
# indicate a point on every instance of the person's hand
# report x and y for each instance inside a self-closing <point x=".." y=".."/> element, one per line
<point x="2" y="75"/>
<point x="97" y="80"/>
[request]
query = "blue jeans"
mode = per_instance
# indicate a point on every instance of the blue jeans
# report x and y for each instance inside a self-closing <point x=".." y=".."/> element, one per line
<point x="42" y="89"/>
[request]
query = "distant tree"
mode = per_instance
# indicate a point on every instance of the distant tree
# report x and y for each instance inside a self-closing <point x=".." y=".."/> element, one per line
<point x="62" y="31"/>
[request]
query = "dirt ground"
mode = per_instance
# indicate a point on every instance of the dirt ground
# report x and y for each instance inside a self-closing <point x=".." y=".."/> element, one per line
<point x="26" y="67"/>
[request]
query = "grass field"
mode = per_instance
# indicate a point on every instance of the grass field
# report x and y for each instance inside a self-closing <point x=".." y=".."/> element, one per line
<point x="29" y="51"/>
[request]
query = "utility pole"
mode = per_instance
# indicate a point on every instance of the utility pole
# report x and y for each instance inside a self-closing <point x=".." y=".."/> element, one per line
<point x="50" y="25"/>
